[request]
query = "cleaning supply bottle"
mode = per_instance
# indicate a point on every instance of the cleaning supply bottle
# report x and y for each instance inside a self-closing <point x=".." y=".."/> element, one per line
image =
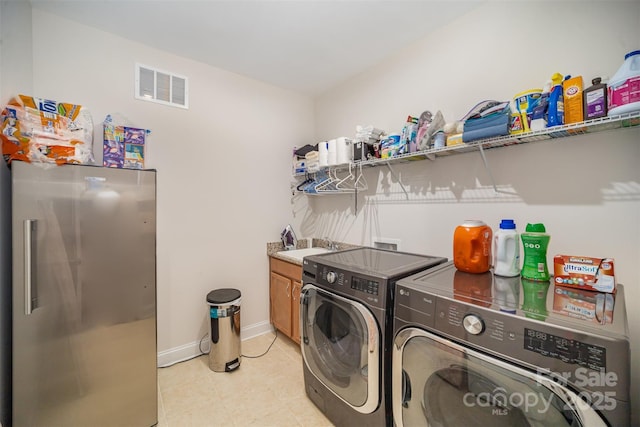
<point x="555" y="112"/>
<point x="506" y="250"/>
<point x="595" y="100"/>
<point x="539" y="113"/>
<point x="472" y="247"/>
<point x="535" y="242"/>
<point x="624" y="86"/>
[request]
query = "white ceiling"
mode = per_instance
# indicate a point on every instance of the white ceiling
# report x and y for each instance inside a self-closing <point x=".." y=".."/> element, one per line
<point x="303" y="45"/>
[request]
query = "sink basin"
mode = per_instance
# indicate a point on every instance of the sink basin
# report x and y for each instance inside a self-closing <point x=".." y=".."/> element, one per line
<point x="298" y="254"/>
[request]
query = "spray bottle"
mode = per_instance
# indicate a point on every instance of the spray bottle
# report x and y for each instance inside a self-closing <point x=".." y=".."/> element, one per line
<point x="535" y="241"/>
<point x="555" y="116"/>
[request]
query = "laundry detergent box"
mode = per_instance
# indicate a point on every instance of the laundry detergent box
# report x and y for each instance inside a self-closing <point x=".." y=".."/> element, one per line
<point x="586" y="305"/>
<point x="592" y="274"/>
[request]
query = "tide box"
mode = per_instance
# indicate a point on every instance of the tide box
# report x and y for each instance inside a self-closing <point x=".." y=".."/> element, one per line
<point x="591" y="274"/>
<point x="586" y="305"/>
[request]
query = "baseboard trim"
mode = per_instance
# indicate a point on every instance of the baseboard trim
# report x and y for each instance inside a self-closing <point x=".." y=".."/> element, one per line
<point x="189" y="351"/>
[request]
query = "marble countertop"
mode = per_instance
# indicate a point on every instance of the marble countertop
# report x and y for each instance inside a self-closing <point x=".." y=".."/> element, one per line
<point x="274" y="247"/>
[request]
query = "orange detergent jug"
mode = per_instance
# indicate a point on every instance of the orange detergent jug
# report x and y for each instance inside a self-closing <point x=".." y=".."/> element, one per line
<point x="472" y="247"/>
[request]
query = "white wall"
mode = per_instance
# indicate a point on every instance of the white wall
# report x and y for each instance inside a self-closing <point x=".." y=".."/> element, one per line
<point x="15" y="75"/>
<point x="222" y="167"/>
<point x="585" y="189"/>
<point x="15" y="58"/>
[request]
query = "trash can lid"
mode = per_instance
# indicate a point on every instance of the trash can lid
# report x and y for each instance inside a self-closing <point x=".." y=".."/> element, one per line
<point x="219" y="296"/>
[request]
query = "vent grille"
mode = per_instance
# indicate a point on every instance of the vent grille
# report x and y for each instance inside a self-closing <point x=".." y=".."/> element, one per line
<point x="161" y="87"/>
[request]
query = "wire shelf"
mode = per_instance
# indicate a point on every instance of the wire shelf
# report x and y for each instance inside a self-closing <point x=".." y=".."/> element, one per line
<point x="564" y="131"/>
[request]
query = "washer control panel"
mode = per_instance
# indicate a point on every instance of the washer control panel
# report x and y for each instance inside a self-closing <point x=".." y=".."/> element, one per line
<point x="368" y="289"/>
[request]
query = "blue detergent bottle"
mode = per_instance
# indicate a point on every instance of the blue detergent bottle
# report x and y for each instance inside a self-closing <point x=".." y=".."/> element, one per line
<point x="555" y="114"/>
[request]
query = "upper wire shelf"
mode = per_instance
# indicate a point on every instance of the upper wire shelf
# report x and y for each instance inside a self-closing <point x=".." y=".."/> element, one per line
<point x="563" y="131"/>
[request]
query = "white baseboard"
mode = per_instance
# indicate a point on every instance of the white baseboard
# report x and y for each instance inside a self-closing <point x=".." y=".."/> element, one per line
<point x="191" y="350"/>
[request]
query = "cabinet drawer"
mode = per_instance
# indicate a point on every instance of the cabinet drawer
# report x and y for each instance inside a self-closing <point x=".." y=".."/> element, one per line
<point x="286" y="269"/>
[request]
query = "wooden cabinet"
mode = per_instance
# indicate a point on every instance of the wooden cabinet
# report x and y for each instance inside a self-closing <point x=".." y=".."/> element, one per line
<point x="285" y="284"/>
<point x="295" y="311"/>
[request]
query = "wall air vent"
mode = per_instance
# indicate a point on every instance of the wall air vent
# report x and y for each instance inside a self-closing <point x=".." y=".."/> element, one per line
<point x="162" y="87"/>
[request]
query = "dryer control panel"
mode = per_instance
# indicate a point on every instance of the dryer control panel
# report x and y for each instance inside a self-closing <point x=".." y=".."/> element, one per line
<point x="366" y="289"/>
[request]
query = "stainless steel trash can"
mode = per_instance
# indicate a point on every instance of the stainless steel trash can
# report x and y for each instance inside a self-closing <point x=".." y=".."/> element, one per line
<point x="224" y="329"/>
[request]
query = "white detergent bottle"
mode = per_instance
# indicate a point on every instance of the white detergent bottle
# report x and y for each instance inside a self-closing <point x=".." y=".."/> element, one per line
<point x="624" y="87"/>
<point x="506" y="250"/>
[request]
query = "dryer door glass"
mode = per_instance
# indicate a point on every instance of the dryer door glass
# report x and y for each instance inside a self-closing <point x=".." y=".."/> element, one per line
<point x="340" y="347"/>
<point x="438" y="383"/>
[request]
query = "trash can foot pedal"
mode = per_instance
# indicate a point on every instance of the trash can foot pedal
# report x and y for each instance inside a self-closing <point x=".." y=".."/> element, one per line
<point x="230" y="366"/>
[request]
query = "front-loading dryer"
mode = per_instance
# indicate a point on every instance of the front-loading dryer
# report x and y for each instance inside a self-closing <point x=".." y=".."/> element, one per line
<point x="478" y="349"/>
<point x="345" y="328"/>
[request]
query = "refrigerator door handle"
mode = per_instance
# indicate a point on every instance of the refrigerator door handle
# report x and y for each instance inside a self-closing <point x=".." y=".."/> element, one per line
<point x="30" y="233"/>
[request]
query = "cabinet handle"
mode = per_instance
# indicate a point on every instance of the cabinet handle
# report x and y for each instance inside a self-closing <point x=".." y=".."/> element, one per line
<point x="288" y="295"/>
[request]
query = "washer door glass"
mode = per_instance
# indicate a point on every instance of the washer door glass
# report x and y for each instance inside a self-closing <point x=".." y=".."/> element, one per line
<point x="340" y="346"/>
<point x="438" y="383"/>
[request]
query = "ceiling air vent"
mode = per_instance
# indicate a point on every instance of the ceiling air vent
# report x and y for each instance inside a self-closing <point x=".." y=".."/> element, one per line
<point x="162" y="87"/>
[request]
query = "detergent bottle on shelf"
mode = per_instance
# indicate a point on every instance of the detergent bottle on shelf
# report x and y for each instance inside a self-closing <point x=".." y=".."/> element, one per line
<point x="555" y="111"/>
<point x="506" y="250"/>
<point x="624" y="86"/>
<point x="535" y="242"/>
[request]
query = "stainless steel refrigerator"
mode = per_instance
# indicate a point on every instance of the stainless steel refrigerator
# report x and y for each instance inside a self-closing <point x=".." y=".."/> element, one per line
<point x="84" y="296"/>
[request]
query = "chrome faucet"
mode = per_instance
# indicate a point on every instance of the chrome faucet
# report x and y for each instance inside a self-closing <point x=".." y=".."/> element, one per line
<point x="333" y="246"/>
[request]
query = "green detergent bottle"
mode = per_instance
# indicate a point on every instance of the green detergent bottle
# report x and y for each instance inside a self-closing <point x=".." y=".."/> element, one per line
<point x="535" y="241"/>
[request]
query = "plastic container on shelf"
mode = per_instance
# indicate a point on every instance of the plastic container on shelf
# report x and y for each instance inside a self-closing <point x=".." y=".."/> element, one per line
<point x="555" y="114"/>
<point x="323" y="154"/>
<point x="524" y="104"/>
<point x="535" y="242"/>
<point x="506" y="250"/>
<point x="595" y="100"/>
<point x="624" y="87"/>
<point x="332" y="152"/>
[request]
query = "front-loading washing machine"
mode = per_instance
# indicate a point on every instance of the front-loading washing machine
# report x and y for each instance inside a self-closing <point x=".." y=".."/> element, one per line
<point x="478" y="349"/>
<point x="345" y="328"/>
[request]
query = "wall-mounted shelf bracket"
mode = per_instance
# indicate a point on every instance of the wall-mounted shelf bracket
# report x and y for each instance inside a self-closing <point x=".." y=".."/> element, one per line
<point x="487" y="168"/>
<point x="393" y="174"/>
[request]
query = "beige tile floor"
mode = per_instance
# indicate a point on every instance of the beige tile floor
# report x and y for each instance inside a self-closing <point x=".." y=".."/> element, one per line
<point x="268" y="391"/>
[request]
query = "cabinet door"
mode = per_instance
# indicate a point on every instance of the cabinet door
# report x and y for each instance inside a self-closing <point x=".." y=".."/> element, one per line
<point x="295" y="311"/>
<point x="280" y="294"/>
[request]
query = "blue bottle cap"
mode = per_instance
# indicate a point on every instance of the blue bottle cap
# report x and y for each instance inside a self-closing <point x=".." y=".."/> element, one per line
<point x="507" y="224"/>
<point x="630" y="54"/>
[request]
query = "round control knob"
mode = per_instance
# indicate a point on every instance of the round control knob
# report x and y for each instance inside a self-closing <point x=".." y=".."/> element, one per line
<point x="331" y="277"/>
<point x="473" y="324"/>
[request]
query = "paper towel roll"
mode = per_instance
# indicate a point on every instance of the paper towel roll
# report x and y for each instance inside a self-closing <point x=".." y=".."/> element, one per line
<point x="333" y="152"/>
<point x="344" y="149"/>
<point x="323" y="154"/>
